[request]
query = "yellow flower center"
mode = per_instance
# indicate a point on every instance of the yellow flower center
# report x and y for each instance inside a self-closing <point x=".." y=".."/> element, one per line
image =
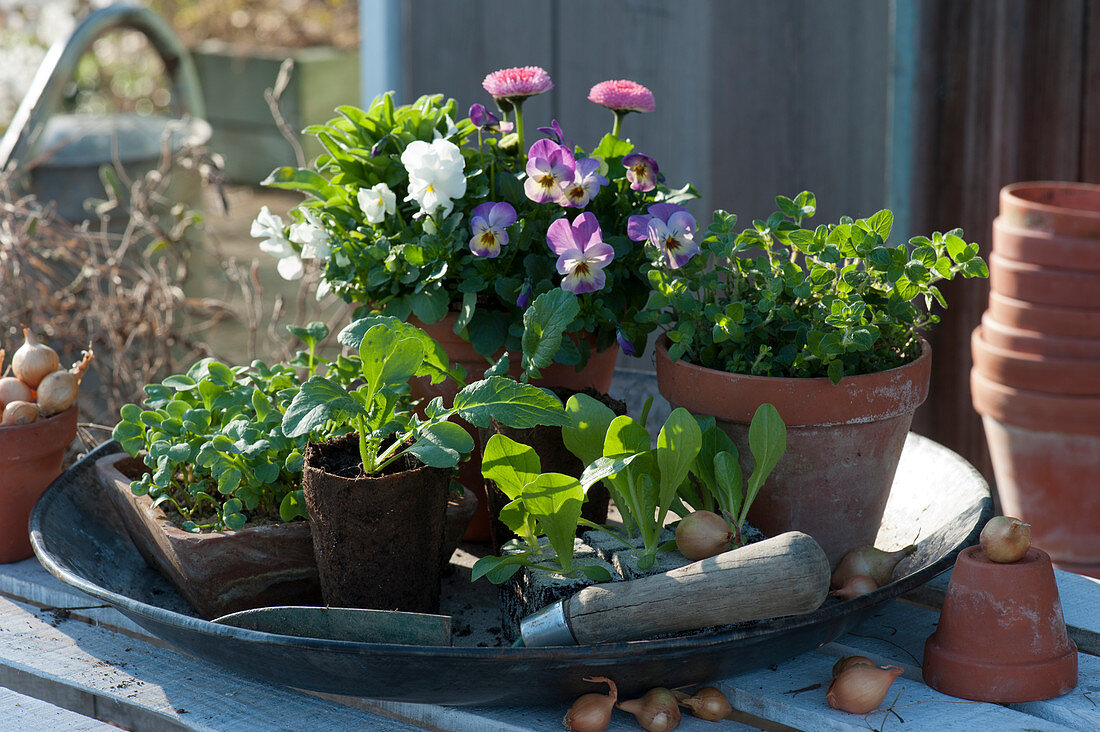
<point x="672" y="243"/>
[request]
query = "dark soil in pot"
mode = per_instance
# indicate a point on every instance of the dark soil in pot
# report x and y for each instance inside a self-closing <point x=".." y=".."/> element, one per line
<point x="555" y="458"/>
<point x="378" y="540"/>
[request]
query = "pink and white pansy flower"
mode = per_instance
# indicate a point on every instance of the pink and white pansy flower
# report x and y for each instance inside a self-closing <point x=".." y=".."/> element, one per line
<point x="668" y="227"/>
<point x="488" y="225"/>
<point x="585" y="184"/>
<point x="550" y="167"/>
<point x="582" y="253"/>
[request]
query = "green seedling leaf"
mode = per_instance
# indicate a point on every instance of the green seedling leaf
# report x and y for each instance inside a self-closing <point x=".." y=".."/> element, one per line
<point x="442" y="445"/>
<point x="299" y="179"/>
<point x="387" y="359"/>
<point x="521" y="406"/>
<point x="544" y="322"/>
<point x="497" y="570"/>
<point x="554" y="500"/>
<point x="310" y="334"/>
<point x="678" y="445"/>
<point x="318" y="401"/>
<point x="606" y="467"/>
<point x="727" y="480"/>
<point x="509" y="464"/>
<point x="768" y="442"/>
<point x="625" y="437"/>
<point x="588" y="422"/>
<point x="595" y="572"/>
<point x="435" y="365"/>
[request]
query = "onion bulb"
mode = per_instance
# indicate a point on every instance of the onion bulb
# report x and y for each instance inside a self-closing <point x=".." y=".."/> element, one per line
<point x="1005" y="539"/>
<point x="707" y="703"/>
<point x="702" y="534"/>
<point x="846" y="661"/>
<point x="860" y="688"/>
<point x="57" y="392"/>
<point x="34" y="360"/>
<point x="14" y="390"/>
<point x="592" y="712"/>
<point x="19" y="413"/>
<point x="875" y="563"/>
<point x="657" y="711"/>
<point x="857" y="584"/>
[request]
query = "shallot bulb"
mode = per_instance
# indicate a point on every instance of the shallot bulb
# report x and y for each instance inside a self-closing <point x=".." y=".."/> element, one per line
<point x="19" y="413"/>
<point x="866" y="560"/>
<point x="702" y="534"/>
<point x="34" y="360"/>
<point x="58" y="390"/>
<point x="657" y="711"/>
<point x="707" y="703"/>
<point x="1005" y="539"/>
<point x="846" y="661"/>
<point x="860" y="688"/>
<point x="14" y="390"/>
<point x="857" y="584"/>
<point x="592" y="712"/>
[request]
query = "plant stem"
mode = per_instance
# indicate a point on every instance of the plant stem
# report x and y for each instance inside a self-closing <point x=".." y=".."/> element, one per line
<point x="364" y="446"/>
<point x="518" y="106"/>
<point x="618" y="123"/>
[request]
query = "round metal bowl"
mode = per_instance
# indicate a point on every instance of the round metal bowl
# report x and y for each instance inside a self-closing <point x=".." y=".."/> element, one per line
<point x="938" y="502"/>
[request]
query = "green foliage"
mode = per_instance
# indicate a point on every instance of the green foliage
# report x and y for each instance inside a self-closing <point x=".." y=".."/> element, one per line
<point x="782" y="300"/>
<point x="389" y="355"/>
<point x="213" y="440"/>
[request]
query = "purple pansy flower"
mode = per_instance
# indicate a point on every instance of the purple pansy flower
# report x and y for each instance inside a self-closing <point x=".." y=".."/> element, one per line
<point x="549" y="167"/>
<point x="624" y="344"/>
<point x="524" y="298"/>
<point x="582" y="254"/>
<point x="554" y="133"/>
<point x="488" y="225"/>
<point x="668" y="227"/>
<point x="482" y="117"/>
<point x="641" y="171"/>
<point x="585" y="184"/>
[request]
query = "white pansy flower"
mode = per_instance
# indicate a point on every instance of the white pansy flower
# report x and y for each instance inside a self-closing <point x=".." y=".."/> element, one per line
<point x="312" y="236"/>
<point x="324" y="289"/>
<point x="269" y="227"/>
<point x="435" y="175"/>
<point x="452" y="129"/>
<point x="376" y="202"/>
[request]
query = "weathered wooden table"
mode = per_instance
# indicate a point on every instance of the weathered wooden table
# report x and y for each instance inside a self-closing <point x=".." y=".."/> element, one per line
<point x="67" y="663"/>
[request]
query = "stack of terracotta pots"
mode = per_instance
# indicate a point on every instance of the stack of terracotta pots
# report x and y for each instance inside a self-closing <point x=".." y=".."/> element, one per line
<point x="1036" y="376"/>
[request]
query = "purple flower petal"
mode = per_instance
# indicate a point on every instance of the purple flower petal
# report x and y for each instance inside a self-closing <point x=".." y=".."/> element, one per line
<point x="637" y="227"/>
<point x="502" y="215"/>
<point x="482" y="211"/>
<point x="559" y="237"/>
<point x="586" y="231"/>
<point x="665" y="210"/>
<point x="624" y="344"/>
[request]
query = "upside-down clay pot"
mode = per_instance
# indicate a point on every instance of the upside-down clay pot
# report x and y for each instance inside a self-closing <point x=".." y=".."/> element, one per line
<point x="1034" y="342"/>
<point x="1034" y="372"/>
<point x="31" y="456"/>
<point x="1044" y="249"/>
<point x="1001" y="635"/>
<point x="1049" y="319"/>
<point x="1065" y="209"/>
<point x="843" y="441"/>
<point x="596" y="374"/>
<point x="1060" y="287"/>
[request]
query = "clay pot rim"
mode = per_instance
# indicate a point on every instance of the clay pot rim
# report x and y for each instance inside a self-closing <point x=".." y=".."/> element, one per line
<point x="1013" y="193"/>
<point x="1034" y="410"/>
<point x="1015" y="302"/>
<point x="1000" y="223"/>
<point x="39" y="424"/>
<point x="801" y="401"/>
<point x="105" y="466"/>
<point x="978" y="341"/>
<point x="999" y="261"/>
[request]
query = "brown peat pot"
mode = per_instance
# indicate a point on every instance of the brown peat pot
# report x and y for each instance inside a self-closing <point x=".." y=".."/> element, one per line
<point x="843" y="441"/>
<point x="1053" y="207"/>
<point x="1001" y="635"/>
<point x="378" y="540"/>
<point x="1042" y="249"/>
<point x="31" y="456"/>
<point x="596" y="374"/>
<point x="1034" y="372"/>
<point x="218" y="572"/>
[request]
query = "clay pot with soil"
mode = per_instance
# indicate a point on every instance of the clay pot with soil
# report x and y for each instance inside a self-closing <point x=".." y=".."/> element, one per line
<point x="1053" y="207"/>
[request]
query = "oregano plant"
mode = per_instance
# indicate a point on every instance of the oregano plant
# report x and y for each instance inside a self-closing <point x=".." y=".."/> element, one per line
<point x="783" y="299"/>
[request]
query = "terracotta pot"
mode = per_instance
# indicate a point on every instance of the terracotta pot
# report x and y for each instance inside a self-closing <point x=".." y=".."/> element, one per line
<point x="1049" y="319"/>
<point x="31" y="456"/>
<point x="1048" y="479"/>
<point x="1066" y="209"/>
<point x="378" y="540"/>
<point x="1034" y="372"/>
<point x="596" y="374"/>
<point x="843" y="441"/>
<point x="1001" y="635"/>
<point x="1035" y="410"/>
<point x="1065" y="288"/>
<point x="997" y="335"/>
<point x="219" y="572"/>
<point x="1043" y="249"/>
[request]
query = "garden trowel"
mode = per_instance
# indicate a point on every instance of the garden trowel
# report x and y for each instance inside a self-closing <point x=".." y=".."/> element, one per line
<point x="346" y="624"/>
<point x="785" y="575"/>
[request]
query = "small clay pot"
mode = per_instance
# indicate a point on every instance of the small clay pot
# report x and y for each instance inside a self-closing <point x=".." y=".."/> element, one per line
<point x="844" y="441"/>
<point x="31" y="456"/>
<point x="378" y="540"/>
<point x="1066" y="209"/>
<point x="1001" y="635"/>
<point x="1035" y="410"/>
<point x="1008" y="338"/>
<point x="1056" y="321"/>
<point x="1060" y="287"/>
<point x="1034" y="372"/>
<point x="1041" y="248"/>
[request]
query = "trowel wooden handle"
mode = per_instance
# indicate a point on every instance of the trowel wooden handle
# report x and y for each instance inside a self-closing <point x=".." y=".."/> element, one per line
<point x="785" y="575"/>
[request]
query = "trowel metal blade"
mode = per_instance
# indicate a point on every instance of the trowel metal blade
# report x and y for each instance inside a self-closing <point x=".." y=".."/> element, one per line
<point x="346" y="624"/>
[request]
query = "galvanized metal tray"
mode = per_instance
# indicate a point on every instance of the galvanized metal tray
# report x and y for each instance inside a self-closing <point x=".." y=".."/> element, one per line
<point x="938" y="501"/>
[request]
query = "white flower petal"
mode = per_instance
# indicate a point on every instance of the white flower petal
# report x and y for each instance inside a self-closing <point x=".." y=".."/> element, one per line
<point x="290" y="268"/>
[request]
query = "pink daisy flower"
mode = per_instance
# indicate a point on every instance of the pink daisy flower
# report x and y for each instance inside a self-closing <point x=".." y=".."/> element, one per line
<point x="622" y="96"/>
<point x="517" y="83"/>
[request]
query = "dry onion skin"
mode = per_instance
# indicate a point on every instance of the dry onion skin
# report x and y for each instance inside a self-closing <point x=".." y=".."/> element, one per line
<point x="58" y="391"/>
<point x="856" y="585"/>
<point x="860" y="688"/>
<point x="869" y="561"/>
<point x="14" y="390"/>
<point x="592" y="712"/>
<point x="657" y="711"/>
<point x="1005" y="539"/>
<point x="34" y="360"/>
<point x="846" y="661"/>
<point x="703" y="534"/>
<point x="16" y="413"/>
<point x="707" y="703"/>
